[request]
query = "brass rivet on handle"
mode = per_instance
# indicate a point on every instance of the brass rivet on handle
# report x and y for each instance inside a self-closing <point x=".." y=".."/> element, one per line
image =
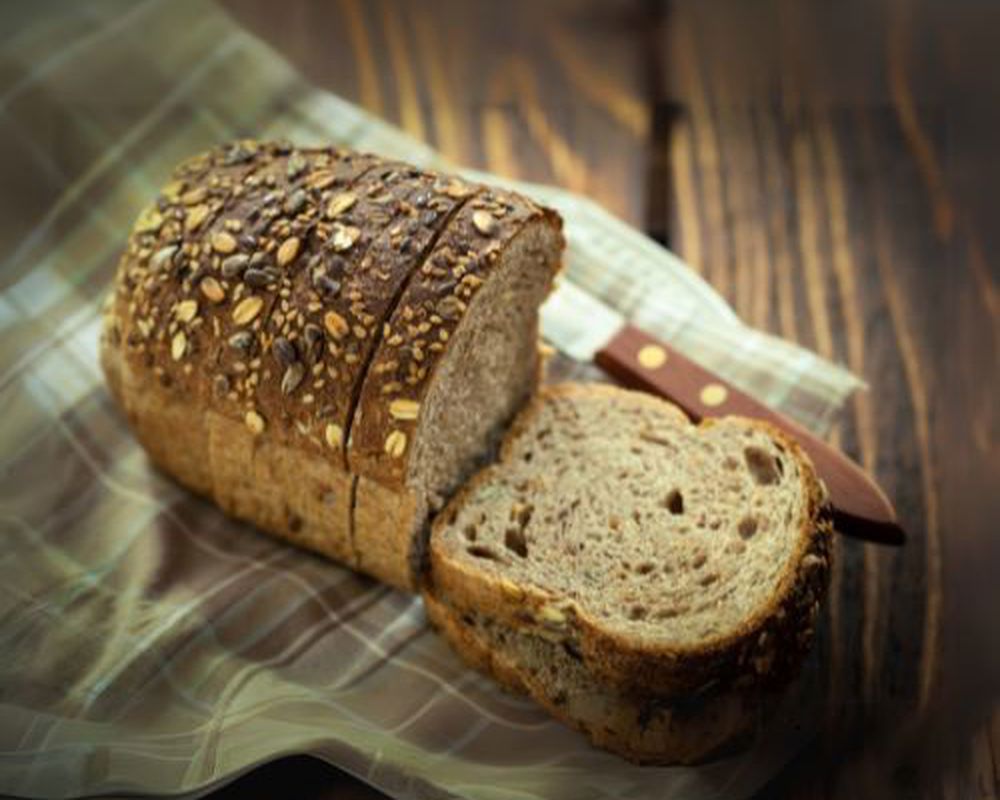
<point x="714" y="394"/>
<point x="651" y="356"/>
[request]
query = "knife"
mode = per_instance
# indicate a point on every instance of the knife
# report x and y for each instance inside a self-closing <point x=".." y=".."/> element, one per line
<point x="584" y="328"/>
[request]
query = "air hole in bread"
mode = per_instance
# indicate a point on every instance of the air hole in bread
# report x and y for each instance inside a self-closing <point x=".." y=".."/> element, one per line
<point x="478" y="551"/>
<point x="699" y="560"/>
<point x="528" y="456"/>
<point x="674" y="502"/>
<point x="747" y="527"/>
<point x="571" y="651"/>
<point x="762" y="465"/>
<point x="731" y="463"/>
<point x="615" y="523"/>
<point x="637" y="612"/>
<point x="709" y="578"/>
<point x="470" y="533"/>
<point x="637" y="516"/>
<point x="514" y="541"/>
<point x="645" y="567"/>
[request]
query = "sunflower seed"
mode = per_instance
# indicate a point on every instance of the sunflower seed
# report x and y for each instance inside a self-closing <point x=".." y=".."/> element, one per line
<point x="313" y="335"/>
<point x="241" y="340"/>
<point x="292" y="378"/>
<point x="293" y="205"/>
<point x="234" y="265"/>
<point x="284" y="351"/>
<point x="258" y="278"/>
<point x="326" y="285"/>
<point x="149" y="221"/>
<point x="161" y="258"/>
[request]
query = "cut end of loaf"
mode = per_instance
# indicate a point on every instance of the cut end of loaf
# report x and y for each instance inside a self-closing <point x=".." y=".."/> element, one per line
<point x="615" y="513"/>
<point x="489" y="371"/>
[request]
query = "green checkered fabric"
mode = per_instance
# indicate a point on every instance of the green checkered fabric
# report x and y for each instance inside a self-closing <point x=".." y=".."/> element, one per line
<point x="148" y="644"/>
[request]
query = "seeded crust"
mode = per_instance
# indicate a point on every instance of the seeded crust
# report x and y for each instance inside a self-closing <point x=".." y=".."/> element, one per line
<point x="764" y="649"/>
<point x="428" y="313"/>
<point x="415" y="344"/>
<point x="203" y="378"/>
<point x="642" y="728"/>
<point x="249" y="301"/>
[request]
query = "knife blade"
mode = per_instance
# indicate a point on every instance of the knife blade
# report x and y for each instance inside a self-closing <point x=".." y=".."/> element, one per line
<point x="578" y="324"/>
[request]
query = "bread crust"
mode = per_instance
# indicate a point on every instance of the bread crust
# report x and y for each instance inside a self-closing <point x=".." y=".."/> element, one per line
<point x="414" y="345"/>
<point x="414" y="340"/>
<point x="248" y="304"/>
<point x="766" y="649"/>
<point x="638" y="727"/>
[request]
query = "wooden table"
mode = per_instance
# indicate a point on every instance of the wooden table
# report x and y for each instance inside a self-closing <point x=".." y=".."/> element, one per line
<point x="827" y="166"/>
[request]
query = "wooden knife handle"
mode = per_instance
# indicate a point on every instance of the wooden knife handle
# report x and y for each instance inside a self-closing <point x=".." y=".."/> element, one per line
<point x="860" y="507"/>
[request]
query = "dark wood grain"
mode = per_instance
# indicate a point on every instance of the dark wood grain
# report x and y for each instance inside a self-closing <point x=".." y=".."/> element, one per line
<point x="830" y="168"/>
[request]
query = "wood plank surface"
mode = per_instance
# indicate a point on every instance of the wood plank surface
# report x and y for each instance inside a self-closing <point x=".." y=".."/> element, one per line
<point x="828" y="167"/>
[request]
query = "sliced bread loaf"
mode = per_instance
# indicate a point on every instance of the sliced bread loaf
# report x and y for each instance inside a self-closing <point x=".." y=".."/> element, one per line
<point x="272" y="296"/>
<point x="673" y="558"/>
<point x="457" y="358"/>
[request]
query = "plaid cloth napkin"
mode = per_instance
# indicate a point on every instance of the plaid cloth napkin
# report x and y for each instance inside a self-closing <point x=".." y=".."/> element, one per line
<point x="148" y="644"/>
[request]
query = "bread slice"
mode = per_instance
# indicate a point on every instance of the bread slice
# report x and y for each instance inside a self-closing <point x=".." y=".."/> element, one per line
<point x="674" y="558"/>
<point x="638" y="726"/>
<point x="457" y="359"/>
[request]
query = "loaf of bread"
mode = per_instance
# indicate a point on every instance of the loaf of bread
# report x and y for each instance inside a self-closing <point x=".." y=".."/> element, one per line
<point x="327" y="343"/>
<point x="330" y="345"/>
<point x="618" y="556"/>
